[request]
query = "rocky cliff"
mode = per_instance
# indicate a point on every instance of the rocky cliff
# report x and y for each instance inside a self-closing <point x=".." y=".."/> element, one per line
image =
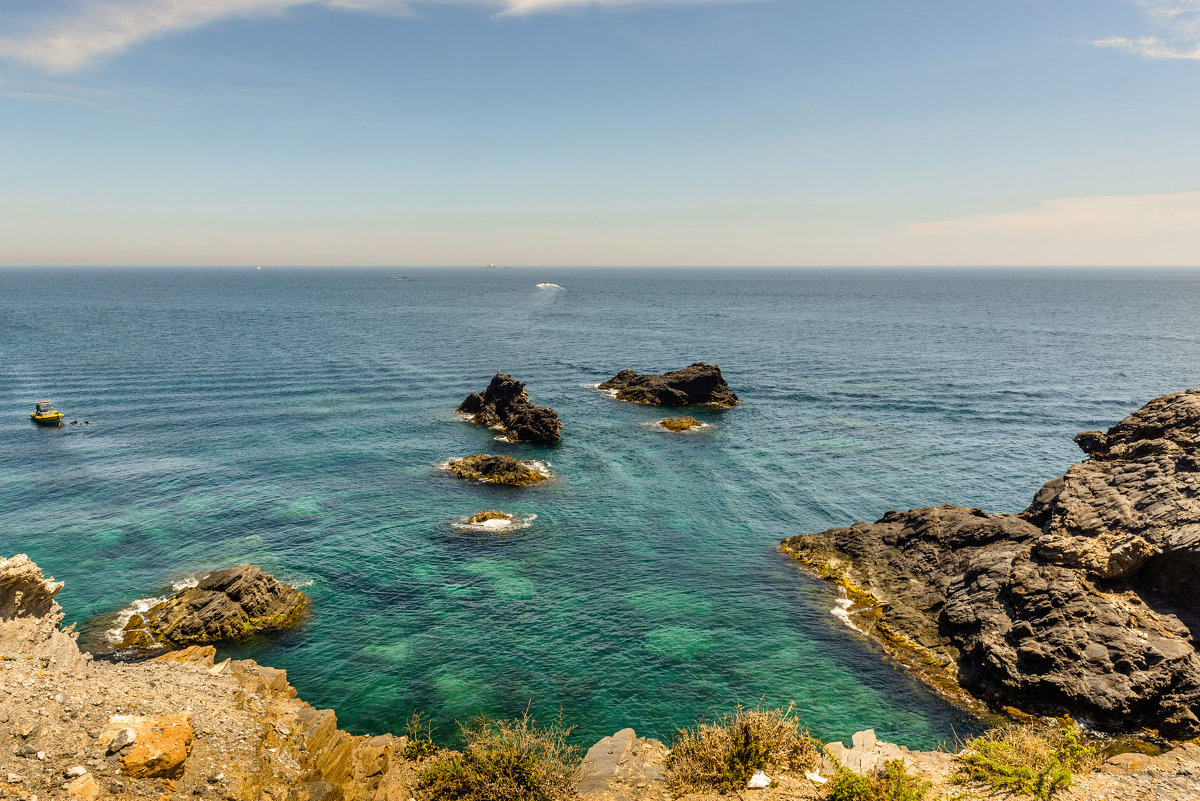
<point x="1082" y="604"/>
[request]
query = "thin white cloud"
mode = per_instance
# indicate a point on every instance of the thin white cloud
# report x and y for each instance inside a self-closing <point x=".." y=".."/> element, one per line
<point x="88" y="31"/>
<point x="1179" y="24"/>
<point x="1079" y="218"/>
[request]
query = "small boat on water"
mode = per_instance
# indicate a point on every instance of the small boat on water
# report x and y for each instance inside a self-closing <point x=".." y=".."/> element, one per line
<point x="548" y="285"/>
<point x="45" y="415"/>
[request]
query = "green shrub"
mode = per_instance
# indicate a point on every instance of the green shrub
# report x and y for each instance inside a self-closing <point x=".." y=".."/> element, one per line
<point x="505" y="760"/>
<point x="890" y="783"/>
<point x="725" y="753"/>
<point x="1028" y="760"/>
<point x="420" y="737"/>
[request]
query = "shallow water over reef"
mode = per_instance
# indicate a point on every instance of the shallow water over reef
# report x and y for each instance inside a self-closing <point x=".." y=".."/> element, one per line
<point x="296" y="418"/>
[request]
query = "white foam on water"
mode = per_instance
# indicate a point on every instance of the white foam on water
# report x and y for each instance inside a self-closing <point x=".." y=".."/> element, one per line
<point x="842" y="612"/>
<point x="516" y="523"/>
<point x="138" y="607"/>
<point x="540" y="467"/>
<point x="185" y="582"/>
<point x="612" y="393"/>
<point x="548" y="285"/>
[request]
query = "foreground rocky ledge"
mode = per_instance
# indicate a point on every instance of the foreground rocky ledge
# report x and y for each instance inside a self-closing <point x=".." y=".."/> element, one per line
<point x="1083" y="604"/>
<point x="229" y="604"/>
<point x="506" y="404"/>
<point x="698" y="383"/>
<point x="180" y="726"/>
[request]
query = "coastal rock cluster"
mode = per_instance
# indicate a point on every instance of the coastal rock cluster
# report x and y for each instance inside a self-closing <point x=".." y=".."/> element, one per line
<point x="228" y="604"/>
<point x="1083" y="604"/>
<point x="505" y="403"/>
<point x="698" y="383"/>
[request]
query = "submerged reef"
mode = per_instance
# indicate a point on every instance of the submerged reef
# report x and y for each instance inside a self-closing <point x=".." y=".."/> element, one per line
<point x="506" y="404"/>
<point x="698" y="383"/>
<point x="1082" y="604"/>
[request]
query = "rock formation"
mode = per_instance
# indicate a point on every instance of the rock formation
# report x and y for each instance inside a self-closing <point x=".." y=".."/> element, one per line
<point x="498" y="470"/>
<point x="30" y="617"/>
<point x="229" y="604"/>
<point x="680" y="424"/>
<point x="490" y="514"/>
<point x="695" y="384"/>
<point x="1082" y="604"/>
<point x="506" y="404"/>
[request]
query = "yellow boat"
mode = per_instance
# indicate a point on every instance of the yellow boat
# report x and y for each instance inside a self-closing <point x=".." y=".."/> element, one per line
<point x="45" y="415"/>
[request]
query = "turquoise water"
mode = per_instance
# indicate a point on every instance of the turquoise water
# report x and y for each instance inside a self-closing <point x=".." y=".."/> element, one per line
<point x="295" y="419"/>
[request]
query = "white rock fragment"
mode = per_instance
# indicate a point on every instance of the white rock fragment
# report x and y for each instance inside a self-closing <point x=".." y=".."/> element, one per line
<point x="78" y="770"/>
<point x="759" y="779"/>
<point x="815" y="777"/>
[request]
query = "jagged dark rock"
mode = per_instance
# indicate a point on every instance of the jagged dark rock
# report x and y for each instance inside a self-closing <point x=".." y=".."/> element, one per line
<point x="497" y="470"/>
<point x="695" y="384"/>
<point x="228" y="604"/>
<point x="505" y="403"/>
<point x="1082" y="604"/>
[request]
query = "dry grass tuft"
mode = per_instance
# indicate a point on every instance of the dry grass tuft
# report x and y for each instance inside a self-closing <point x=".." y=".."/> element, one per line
<point x="505" y="760"/>
<point x="725" y="753"/>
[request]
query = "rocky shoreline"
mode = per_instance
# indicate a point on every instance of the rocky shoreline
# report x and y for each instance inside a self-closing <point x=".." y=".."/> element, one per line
<point x="1081" y="604"/>
<point x="185" y="726"/>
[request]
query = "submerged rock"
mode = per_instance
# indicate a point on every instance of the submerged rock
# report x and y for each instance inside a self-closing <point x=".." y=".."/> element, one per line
<point x="1082" y="604"/>
<point x="695" y="384"/>
<point x="506" y="404"/>
<point x="229" y="604"/>
<point x="498" y="470"/>
<point x="680" y="424"/>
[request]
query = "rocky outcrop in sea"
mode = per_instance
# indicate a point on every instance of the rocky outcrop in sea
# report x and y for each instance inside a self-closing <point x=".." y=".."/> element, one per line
<point x="505" y="403"/>
<point x="698" y="383"/>
<point x="1083" y="604"/>
<point x="498" y="470"/>
<point x="229" y="604"/>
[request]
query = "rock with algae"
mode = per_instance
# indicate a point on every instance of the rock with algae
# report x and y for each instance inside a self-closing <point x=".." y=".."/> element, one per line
<point x="498" y="470"/>
<point x="680" y="424"/>
<point x="1083" y="604"/>
<point x="228" y="604"/>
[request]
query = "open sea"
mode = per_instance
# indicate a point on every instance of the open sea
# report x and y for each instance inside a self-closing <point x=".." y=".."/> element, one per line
<point x="295" y="419"/>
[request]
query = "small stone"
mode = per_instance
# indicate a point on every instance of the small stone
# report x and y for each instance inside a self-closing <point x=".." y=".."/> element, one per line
<point x="78" y="770"/>
<point x="14" y="778"/>
<point x="121" y="739"/>
<point x="84" y="788"/>
<point x="41" y="755"/>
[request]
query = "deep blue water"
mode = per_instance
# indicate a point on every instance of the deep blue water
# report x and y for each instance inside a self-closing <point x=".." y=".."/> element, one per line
<point x="295" y="418"/>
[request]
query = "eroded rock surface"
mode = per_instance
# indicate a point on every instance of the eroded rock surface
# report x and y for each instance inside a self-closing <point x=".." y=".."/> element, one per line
<point x="498" y="470"/>
<point x="695" y="384"/>
<point x="1082" y="604"/>
<point x="505" y="403"/>
<point x="228" y="604"/>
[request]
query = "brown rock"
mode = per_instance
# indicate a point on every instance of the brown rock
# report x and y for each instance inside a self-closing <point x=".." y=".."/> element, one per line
<point x="84" y="788"/>
<point x="194" y="654"/>
<point x="695" y="384"/>
<point x="497" y="470"/>
<point x="229" y="604"/>
<point x="679" y="424"/>
<point x="160" y="745"/>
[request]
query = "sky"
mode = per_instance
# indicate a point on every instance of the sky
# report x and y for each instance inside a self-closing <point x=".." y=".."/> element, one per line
<point x="600" y="132"/>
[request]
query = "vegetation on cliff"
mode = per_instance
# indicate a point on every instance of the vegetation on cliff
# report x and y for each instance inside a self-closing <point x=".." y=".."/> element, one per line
<point x="505" y="760"/>
<point x="724" y="753"/>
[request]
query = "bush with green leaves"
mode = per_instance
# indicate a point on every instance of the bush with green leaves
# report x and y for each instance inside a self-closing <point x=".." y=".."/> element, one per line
<point x="420" y="737"/>
<point x="505" y="760"/>
<point x="1027" y="760"/>
<point x="892" y="782"/>
<point x="723" y="754"/>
